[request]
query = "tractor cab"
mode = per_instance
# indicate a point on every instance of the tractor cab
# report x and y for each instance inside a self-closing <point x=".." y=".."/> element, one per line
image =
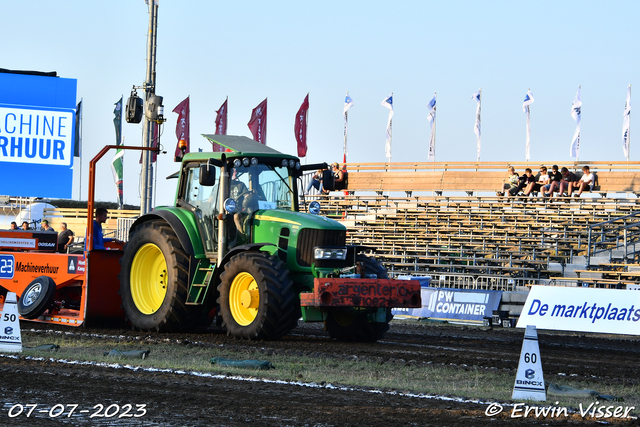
<point x="226" y="190"/>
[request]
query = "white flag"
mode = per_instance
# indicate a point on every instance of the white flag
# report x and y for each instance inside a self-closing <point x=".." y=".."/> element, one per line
<point x="626" y="129"/>
<point x="576" y="111"/>
<point x="432" y="121"/>
<point x="388" y="102"/>
<point x="348" y="103"/>
<point x="528" y="100"/>
<point x="476" y="129"/>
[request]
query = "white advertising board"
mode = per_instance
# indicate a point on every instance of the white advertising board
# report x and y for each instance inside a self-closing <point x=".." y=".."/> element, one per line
<point x="609" y="311"/>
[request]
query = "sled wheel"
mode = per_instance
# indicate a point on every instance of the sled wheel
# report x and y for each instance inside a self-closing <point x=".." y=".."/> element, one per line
<point x="354" y="324"/>
<point x="154" y="277"/>
<point x="37" y="297"/>
<point x="257" y="300"/>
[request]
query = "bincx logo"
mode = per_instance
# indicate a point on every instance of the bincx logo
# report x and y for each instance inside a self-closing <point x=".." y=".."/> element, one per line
<point x="529" y="373"/>
<point x="8" y="330"/>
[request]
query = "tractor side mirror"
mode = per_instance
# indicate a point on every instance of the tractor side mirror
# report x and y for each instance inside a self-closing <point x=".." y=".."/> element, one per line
<point x="207" y="175"/>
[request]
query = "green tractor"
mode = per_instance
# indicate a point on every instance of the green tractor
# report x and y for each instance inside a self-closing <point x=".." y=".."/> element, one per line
<point x="235" y="244"/>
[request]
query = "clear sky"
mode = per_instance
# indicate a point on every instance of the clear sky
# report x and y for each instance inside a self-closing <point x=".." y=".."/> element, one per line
<point x="250" y="50"/>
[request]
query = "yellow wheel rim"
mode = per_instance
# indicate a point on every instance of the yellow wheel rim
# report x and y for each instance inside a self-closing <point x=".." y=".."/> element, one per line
<point x="244" y="299"/>
<point x="148" y="279"/>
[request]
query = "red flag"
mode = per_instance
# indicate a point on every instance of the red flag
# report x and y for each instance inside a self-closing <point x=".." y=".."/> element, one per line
<point x="258" y="123"/>
<point x="182" y="126"/>
<point x="221" y="124"/>
<point x="300" y="127"/>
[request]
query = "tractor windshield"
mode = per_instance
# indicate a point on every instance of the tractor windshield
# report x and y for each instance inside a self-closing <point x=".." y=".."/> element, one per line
<point x="270" y="183"/>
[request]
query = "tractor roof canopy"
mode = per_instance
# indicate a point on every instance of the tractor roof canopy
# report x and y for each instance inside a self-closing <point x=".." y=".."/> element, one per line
<point x="240" y="146"/>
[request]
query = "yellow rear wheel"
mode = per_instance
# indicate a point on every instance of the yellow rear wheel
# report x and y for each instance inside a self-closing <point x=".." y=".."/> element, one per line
<point x="148" y="279"/>
<point x="244" y="299"/>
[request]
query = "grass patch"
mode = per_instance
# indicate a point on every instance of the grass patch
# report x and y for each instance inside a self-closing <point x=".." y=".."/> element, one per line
<point x="468" y="382"/>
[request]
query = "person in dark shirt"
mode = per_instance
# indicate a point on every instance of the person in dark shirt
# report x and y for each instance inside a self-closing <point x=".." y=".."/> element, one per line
<point x="65" y="238"/>
<point x="525" y="181"/>
<point x="554" y="182"/>
<point x="565" y="182"/>
<point x="14" y="225"/>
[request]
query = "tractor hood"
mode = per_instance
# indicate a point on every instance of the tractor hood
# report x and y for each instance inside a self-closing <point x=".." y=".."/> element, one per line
<point x="295" y="220"/>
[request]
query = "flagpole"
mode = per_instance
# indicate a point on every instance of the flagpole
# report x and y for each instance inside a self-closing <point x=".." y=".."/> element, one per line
<point x="390" y="129"/>
<point x="434" y="133"/>
<point x="344" y="144"/>
<point x="528" y="137"/>
<point x="629" y="133"/>
<point x="80" y="189"/>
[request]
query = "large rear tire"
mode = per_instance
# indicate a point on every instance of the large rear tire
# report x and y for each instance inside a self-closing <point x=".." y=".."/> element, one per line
<point x="257" y="300"/>
<point x="154" y="280"/>
<point x="356" y="324"/>
<point x="37" y="297"/>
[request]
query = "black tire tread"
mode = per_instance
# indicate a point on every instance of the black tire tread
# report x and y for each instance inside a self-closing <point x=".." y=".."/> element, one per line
<point x="279" y="307"/>
<point x="43" y="304"/>
<point x="173" y="315"/>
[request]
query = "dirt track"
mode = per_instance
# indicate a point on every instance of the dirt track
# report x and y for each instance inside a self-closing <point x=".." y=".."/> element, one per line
<point x="177" y="400"/>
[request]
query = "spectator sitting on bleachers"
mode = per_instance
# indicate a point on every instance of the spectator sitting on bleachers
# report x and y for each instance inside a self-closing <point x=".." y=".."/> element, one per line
<point x="587" y="180"/>
<point x="554" y="182"/>
<point x="315" y="182"/>
<point x="565" y="182"/>
<point x="526" y="183"/>
<point x="338" y="177"/>
<point x="542" y="179"/>
<point x="25" y="225"/>
<point x="512" y="181"/>
<point x="14" y="225"/>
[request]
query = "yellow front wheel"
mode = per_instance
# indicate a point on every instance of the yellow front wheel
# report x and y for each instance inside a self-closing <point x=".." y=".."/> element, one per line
<point x="244" y="299"/>
<point x="148" y="278"/>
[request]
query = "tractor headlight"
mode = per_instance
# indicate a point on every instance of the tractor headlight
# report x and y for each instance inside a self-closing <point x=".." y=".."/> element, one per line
<point x="285" y="162"/>
<point x="230" y="205"/>
<point x="330" y="253"/>
<point x="245" y="162"/>
<point x="237" y="163"/>
<point x="254" y="161"/>
<point x="298" y="165"/>
<point x="292" y="163"/>
<point x="314" y="207"/>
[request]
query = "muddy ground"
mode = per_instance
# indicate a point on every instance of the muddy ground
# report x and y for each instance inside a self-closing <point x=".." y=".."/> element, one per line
<point x="171" y="399"/>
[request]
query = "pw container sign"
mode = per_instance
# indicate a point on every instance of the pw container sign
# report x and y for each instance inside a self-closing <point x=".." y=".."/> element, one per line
<point x="454" y="304"/>
<point x="37" y="135"/>
<point x="609" y="311"/>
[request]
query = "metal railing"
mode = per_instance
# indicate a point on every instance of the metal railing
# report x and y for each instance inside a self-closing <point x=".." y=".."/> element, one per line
<point x="619" y="231"/>
<point x="491" y="283"/>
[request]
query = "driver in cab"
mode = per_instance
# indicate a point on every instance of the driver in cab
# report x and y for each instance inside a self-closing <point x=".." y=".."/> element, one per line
<point x="247" y="204"/>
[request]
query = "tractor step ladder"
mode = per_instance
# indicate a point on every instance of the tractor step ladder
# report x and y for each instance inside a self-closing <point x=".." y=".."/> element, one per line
<point x="200" y="285"/>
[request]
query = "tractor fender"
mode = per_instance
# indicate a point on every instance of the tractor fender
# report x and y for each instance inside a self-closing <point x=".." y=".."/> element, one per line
<point x="174" y="222"/>
<point x="235" y="251"/>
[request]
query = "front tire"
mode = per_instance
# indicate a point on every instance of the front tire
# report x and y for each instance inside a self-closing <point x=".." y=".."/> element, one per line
<point x="356" y="324"/>
<point x="154" y="279"/>
<point x="257" y="300"/>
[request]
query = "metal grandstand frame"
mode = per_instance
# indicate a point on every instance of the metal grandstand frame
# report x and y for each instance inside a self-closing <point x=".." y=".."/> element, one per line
<point x="626" y="228"/>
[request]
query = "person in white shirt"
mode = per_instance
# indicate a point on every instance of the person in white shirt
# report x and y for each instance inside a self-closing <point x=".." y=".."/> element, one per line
<point x="541" y="180"/>
<point x="585" y="182"/>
